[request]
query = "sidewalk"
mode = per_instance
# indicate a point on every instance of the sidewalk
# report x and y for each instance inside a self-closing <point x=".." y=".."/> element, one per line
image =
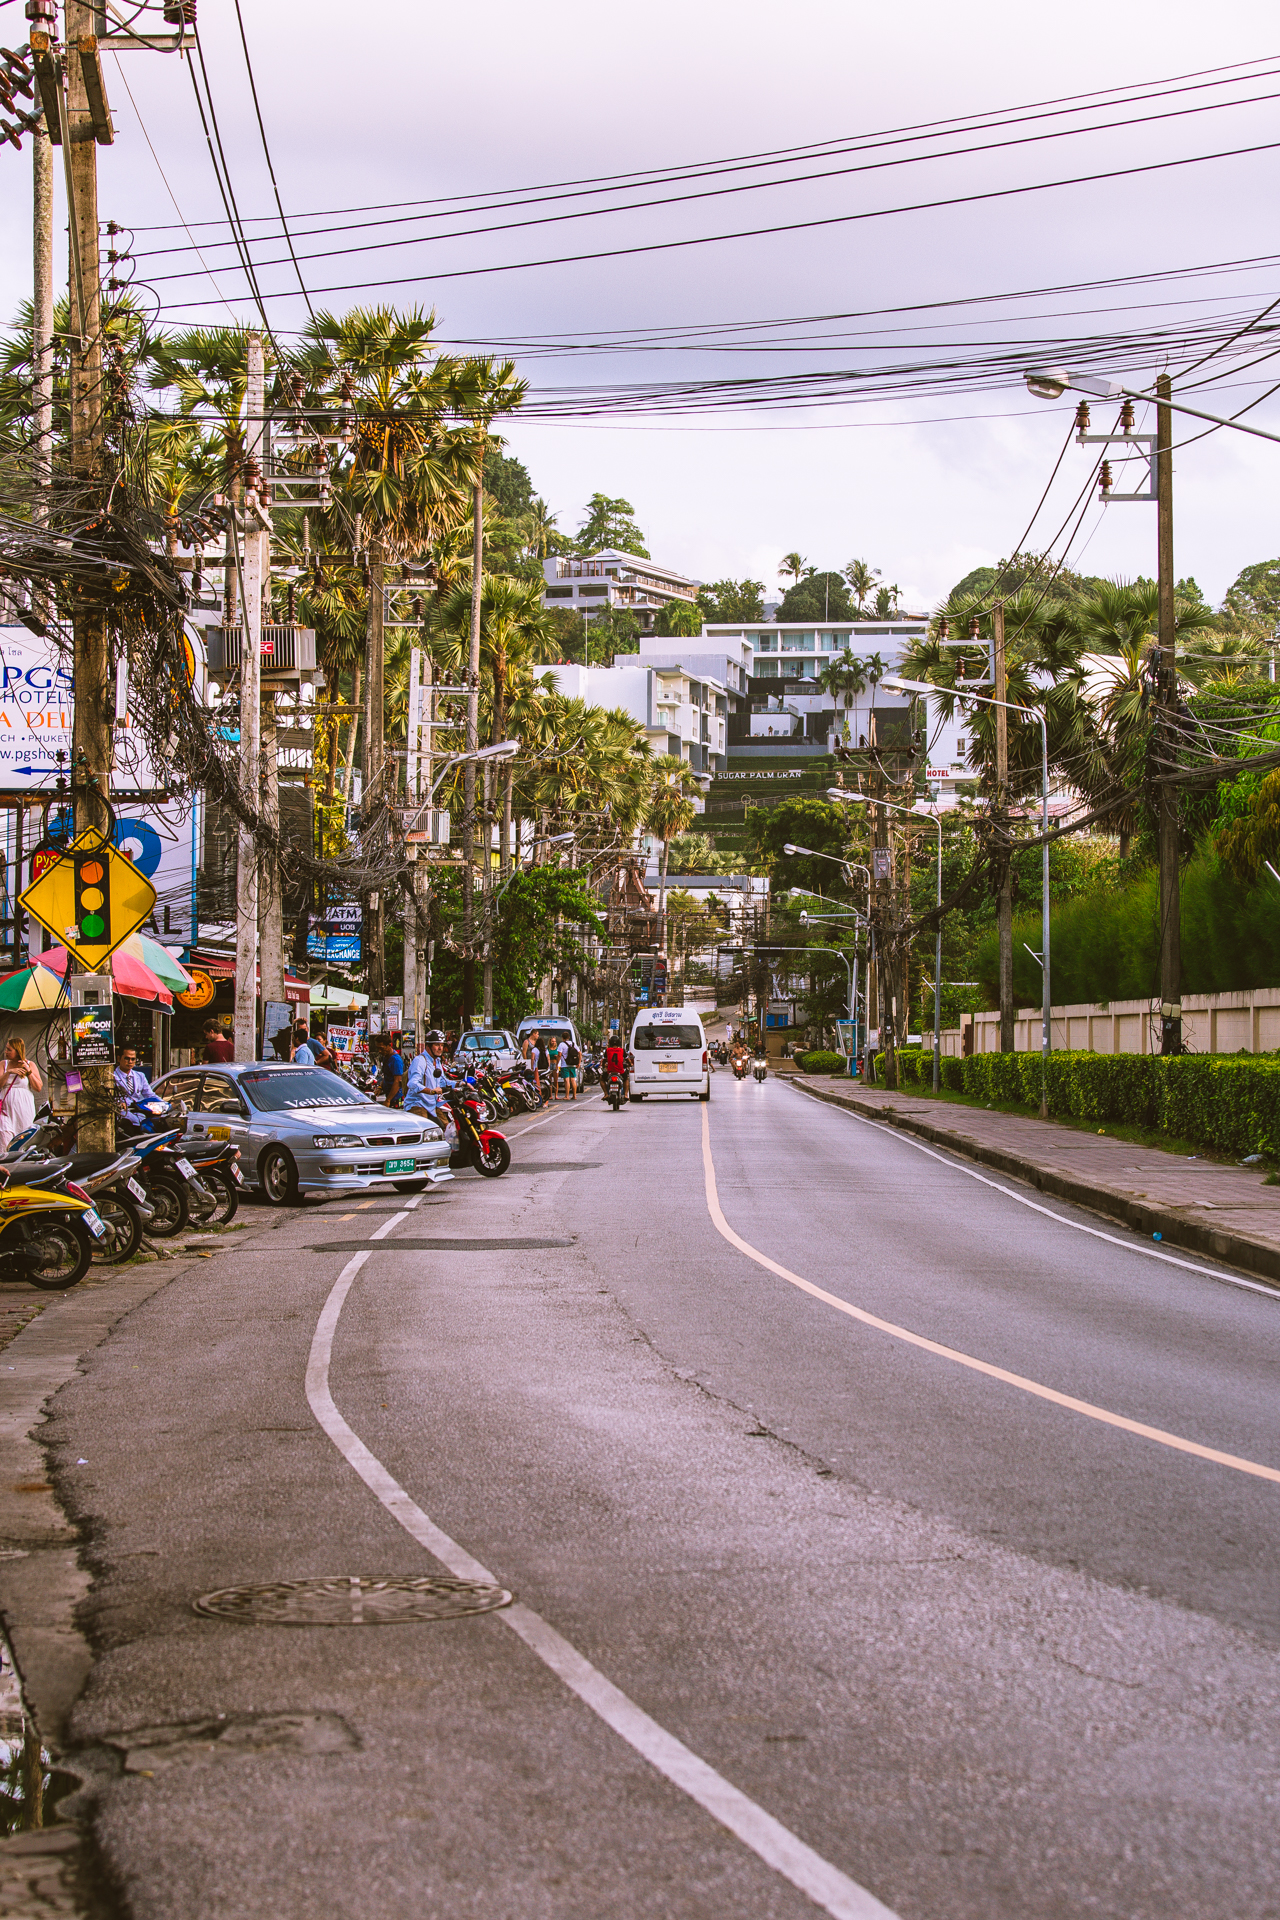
<point x="1199" y="1205"/>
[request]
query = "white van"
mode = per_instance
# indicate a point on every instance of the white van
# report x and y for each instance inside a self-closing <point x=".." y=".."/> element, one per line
<point x="670" y="1053"/>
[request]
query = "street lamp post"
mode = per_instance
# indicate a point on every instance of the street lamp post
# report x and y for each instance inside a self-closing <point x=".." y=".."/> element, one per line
<point x="839" y="793"/>
<point x="926" y="687"/>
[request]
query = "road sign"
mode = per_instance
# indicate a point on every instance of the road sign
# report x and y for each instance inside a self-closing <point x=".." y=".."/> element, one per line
<point x="90" y="900"/>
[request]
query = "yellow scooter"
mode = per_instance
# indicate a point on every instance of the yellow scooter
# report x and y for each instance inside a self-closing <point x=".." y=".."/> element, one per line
<point x="46" y="1236"/>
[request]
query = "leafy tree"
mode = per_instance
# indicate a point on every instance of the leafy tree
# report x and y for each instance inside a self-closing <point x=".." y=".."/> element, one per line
<point x="726" y="601"/>
<point x="844" y="677"/>
<point x="507" y="480"/>
<point x="682" y="618"/>
<point x="887" y="602"/>
<point x="539" y="918"/>
<point x="819" y="824"/>
<point x="670" y="810"/>
<point x="817" y="597"/>
<point x="1023" y="569"/>
<point x="613" y="630"/>
<point x="610" y="523"/>
<point x="693" y="853"/>
<point x="1253" y="598"/>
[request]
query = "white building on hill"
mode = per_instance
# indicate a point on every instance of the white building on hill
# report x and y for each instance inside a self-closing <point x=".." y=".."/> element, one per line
<point x="588" y="584"/>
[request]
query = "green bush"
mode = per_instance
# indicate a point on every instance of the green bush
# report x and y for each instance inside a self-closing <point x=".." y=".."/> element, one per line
<point x="1227" y="1101"/>
<point x="818" y="1061"/>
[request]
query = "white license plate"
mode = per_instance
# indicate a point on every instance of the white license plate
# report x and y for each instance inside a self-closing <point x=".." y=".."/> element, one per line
<point x="139" y="1193"/>
<point x="93" y="1221"/>
<point x="185" y="1168"/>
<point x="236" y="1174"/>
<point x="668" y="1066"/>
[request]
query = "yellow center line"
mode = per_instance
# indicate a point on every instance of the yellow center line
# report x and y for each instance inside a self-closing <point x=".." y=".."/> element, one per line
<point x="895" y="1332"/>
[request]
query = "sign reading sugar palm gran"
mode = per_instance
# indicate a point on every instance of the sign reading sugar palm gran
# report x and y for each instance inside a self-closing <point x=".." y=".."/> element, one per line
<point x="91" y="899"/>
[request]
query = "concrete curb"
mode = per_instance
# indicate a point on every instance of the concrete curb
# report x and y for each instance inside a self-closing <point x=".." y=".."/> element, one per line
<point x="1254" y="1257"/>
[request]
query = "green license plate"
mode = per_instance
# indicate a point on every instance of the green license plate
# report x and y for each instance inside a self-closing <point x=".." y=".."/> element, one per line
<point x="399" y="1166"/>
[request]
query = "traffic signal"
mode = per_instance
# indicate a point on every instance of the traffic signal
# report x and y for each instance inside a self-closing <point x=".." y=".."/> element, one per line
<point x="93" y="909"/>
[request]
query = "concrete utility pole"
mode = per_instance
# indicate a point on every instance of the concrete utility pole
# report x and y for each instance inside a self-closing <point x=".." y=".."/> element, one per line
<point x="246" y="1016"/>
<point x="91" y="725"/>
<point x="42" y="331"/>
<point x="1170" y="885"/>
<point x="487" y="884"/>
<point x="473" y="737"/>
<point x="374" y="758"/>
<point x="270" y="896"/>
<point x="1005" y="904"/>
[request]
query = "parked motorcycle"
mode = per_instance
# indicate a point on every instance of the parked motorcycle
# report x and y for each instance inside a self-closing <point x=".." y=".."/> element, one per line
<point x="46" y="1236"/>
<point x="107" y="1178"/>
<point x="477" y="1144"/>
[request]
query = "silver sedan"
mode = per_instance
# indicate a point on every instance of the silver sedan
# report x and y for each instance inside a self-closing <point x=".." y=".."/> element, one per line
<point x="304" y="1129"/>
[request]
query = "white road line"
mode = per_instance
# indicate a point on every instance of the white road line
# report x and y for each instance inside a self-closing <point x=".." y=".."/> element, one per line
<point x="829" y="1889"/>
<point x="992" y="1372"/>
<point x="409" y="1205"/>
<point x="1077" y="1226"/>
<point x="387" y="1225"/>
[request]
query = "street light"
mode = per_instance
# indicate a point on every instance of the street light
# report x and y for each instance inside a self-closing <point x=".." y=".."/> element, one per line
<point x="817" y="953"/>
<point x="1050" y="383"/>
<point x="850" y="866"/>
<point x="1011" y="706"/>
<point x="840" y="793"/>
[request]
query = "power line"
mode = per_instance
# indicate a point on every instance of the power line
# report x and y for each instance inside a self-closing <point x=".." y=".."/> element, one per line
<point x="253" y="88"/>
<point x="769" y="232"/>
<point x="710" y="193"/>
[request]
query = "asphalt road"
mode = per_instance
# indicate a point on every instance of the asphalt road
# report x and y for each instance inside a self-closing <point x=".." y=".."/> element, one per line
<point x="930" y="1633"/>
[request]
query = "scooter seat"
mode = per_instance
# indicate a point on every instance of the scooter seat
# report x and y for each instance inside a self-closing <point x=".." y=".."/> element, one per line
<point x="91" y="1163"/>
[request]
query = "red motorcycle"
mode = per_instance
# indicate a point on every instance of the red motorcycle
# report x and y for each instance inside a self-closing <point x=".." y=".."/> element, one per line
<point x="478" y="1145"/>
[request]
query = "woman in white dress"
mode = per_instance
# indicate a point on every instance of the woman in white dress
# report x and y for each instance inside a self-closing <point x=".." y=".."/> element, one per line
<point x="18" y="1087"/>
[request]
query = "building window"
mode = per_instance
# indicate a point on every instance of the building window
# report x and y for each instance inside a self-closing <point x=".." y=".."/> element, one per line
<point x="767" y="642"/>
<point x="797" y="643"/>
<point x="831" y="642"/>
<point x="766" y="668"/>
<point x="559" y="593"/>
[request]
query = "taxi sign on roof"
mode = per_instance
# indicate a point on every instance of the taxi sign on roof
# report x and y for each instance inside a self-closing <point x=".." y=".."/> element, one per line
<point x="91" y="899"/>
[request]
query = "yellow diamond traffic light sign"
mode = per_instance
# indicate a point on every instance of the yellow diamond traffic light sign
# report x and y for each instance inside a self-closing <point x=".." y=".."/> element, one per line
<point x="90" y="900"/>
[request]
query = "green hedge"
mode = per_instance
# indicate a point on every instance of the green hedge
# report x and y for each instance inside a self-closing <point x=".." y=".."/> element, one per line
<point x="1227" y="1101"/>
<point x="818" y="1061"/>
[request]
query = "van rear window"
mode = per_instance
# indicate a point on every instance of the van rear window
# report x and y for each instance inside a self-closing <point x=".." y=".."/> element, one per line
<point x="668" y="1039"/>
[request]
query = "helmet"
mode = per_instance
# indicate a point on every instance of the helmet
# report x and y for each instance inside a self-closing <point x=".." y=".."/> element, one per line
<point x="434" y="1039"/>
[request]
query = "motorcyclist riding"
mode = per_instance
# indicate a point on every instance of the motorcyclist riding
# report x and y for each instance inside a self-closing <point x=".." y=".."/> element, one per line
<point x="427" y="1076"/>
<point x="617" y="1060"/>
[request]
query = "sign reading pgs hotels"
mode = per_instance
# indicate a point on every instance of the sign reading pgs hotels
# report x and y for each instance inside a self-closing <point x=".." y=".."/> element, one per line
<point x="35" y="711"/>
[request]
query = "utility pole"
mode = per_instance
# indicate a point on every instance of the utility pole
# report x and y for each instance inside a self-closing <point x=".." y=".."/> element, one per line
<point x="473" y="732"/>
<point x="42" y="332"/>
<point x="1170" y="887"/>
<point x="1005" y="904"/>
<point x="486" y="882"/>
<point x="246" y="1014"/>
<point x="374" y="760"/>
<point x="91" y="725"/>
<point x="270" y="897"/>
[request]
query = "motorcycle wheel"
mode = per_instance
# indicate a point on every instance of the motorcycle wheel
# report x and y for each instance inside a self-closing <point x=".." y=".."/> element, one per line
<point x="66" y="1252"/>
<point x="494" y="1162"/>
<point x="615" y="1100"/>
<point x="223" y="1189"/>
<point x="124" y="1224"/>
<point x="171" y="1208"/>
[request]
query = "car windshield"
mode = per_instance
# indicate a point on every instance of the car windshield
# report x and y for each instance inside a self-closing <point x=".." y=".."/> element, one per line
<point x="664" y="1039"/>
<point x="284" y="1090"/>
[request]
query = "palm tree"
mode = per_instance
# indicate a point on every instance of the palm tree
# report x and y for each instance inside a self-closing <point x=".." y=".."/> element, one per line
<point x="793" y="564"/>
<point x="844" y="677"/>
<point x="670" y="812"/>
<point x="206" y="369"/>
<point x="862" y="580"/>
<point x="538" y="526"/>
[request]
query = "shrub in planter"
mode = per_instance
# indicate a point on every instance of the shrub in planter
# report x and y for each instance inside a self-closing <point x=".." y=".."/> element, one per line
<point x="819" y="1061"/>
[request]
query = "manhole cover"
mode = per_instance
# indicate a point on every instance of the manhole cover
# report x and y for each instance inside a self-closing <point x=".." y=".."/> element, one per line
<point x="347" y="1601"/>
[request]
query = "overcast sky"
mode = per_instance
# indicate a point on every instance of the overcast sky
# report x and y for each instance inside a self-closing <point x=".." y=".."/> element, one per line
<point x="370" y="105"/>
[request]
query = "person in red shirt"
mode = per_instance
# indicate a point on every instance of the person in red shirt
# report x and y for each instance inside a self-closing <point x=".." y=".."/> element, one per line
<point x="616" y="1060"/>
<point x="218" y="1046"/>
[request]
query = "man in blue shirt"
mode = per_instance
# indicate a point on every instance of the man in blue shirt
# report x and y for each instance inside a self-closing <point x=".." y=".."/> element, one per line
<point x="392" y="1078"/>
<point x="427" y="1077"/>
<point x="133" y="1088"/>
<point x="302" y="1054"/>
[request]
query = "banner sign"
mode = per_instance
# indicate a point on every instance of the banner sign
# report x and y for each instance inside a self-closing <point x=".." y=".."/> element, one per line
<point x="337" y="934"/>
<point x="93" y="1036"/>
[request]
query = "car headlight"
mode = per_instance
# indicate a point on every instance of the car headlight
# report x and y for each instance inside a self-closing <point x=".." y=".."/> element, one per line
<point x="336" y="1140"/>
<point x="432" y="1133"/>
